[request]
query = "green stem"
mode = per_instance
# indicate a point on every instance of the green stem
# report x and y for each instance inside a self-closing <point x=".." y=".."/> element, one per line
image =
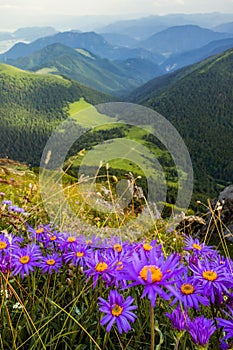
<point x="152" y="327"/>
<point x="178" y="337"/>
<point x="177" y="343"/>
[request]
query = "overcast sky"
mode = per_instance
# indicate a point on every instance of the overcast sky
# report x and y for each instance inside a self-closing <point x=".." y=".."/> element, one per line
<point x="27" y="12"/>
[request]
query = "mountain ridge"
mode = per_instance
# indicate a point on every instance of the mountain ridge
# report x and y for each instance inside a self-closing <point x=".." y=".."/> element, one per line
<point x="182" y="38"/>
<point x="112" y="77"/>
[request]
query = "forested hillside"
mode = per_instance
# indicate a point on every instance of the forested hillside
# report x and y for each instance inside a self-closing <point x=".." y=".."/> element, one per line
<point x="198" y="101"/>
<point x="31" y="106"/>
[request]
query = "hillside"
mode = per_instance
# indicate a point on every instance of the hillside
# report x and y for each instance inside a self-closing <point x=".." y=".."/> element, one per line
<point x="31" y="105"/>
<point x="117" y="77"/>
<point x="198" y="101"/>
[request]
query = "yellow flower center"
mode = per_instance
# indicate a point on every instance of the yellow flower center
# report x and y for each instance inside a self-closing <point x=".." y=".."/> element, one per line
<point x="187" y="288"/>
<point x="40" y="230"/>
<point x="117" y="310"/>
<point x="156" y="274"/>
<point x="89" y="241"/>
<point x="71" y="239"/>
<point x="210" y="275"/>
<point x="3" y="245"/>
<point x="117" y="247"/>
<point x="101" y="266"/>
<point x="147" y="247"/>
<point x="119" y="266"/>
<point x="79" y="254"/>
<point x="197" y="246"/>
<point x="53" y="238"/>
<point x="50" y="262"/>
<point x="24" y="259"/>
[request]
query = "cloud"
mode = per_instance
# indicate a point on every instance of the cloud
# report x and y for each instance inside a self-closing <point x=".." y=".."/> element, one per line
<point x="7" y="6"/>
<point x="16" y="13"/>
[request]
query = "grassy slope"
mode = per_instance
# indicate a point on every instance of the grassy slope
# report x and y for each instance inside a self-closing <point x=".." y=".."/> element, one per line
<point x="129" y="153"/>
<point x="89" y="117"/>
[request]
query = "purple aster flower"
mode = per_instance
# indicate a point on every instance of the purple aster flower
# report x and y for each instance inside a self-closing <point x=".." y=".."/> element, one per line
<point x="224" y="346"/>
<point x="227" y="262"/>
<point x="101" y="265"/>
<point x="117" y="311"/>
<point x="77" y="255"/>
<point x="118" y="258"/>
<point x="25" y="259"/>
<point x="50" y="263"/>
<point x="215" y="280"/>
<point x="147" y="247"/>
<point x="7" y="202"/>
<point x="70" y="241"/>
<point x="40" y="234"/>
<point x="8" y="243"/>
<point x="54" y="240"/>
<point x="154" y="273"/>
<point x="190" y="293"/>
<point x="201" y="330"/>
<point x="16" y="209"/>
<point x="11" y="207"/>
<point x="178" y="319"/>
<point x="4" y="245"/>
<point x="194" y="245"/>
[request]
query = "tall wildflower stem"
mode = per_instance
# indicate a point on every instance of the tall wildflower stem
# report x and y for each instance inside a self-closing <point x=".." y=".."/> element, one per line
<point x="178" y="341"/>
<point x="152" y="327"/>
<point x="100" y="291"/>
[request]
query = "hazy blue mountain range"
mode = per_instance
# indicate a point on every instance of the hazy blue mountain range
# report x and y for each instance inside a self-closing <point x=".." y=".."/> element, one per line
<point x="181" y="38"/>
<point x="142" y="28"/>
<point x="169" y="41"/>
<point x="124" y="40"/>
<point x="28" y="33"/>
<point x="90" y="41"/>
<point x="97" y="61"/>
<point x="225" y="27"/>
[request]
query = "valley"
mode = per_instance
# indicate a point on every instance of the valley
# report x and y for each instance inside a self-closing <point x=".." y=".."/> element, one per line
<point x="187" y="80"/>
